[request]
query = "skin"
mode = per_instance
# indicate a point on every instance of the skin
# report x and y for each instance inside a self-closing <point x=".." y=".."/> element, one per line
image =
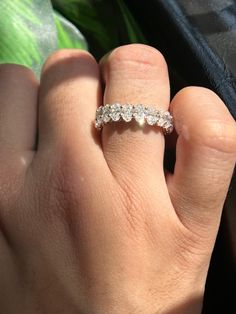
<point x="89" y="221"/>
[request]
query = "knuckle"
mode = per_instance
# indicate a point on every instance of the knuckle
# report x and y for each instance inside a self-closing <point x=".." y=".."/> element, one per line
<point x="192" y="247"/>
<point x="134" y="208"/>
<point x="204" y="100"/>
<point x="68" y="56"/>
<point x="66" y="177"/>
<point x="4" y="192"/>
<point x="197" y="91"/>
<point x="197" y="94"/>
<point x="216" y="129"/>
<point x="11" y="176"/>
<point x="131" y="206"/>
<point x="64" y="169"/>
<point x="189" y="251"/>
<point x="56" y="188"/>
<point x="218" y="135"/>
<point x="9" y="70"/>
<point x="136" y="56"/>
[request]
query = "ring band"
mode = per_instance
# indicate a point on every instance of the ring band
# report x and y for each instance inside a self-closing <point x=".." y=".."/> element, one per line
<point x="140" y="113"/>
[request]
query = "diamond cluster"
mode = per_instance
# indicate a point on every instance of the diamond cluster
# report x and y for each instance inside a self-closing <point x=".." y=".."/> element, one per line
<point x="140" y="113"/>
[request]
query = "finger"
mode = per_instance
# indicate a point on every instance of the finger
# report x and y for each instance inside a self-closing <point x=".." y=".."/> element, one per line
<point x="18" y="108"/>
<point x="205" y="157"/>
<point x="135" y="74"/>
<point x="69" y="94"/>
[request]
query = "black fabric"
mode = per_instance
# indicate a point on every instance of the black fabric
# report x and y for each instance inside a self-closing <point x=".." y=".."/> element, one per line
<point x="198" y="39"/>
<point x="198" y="53"/>
<point x="216" y="21"/>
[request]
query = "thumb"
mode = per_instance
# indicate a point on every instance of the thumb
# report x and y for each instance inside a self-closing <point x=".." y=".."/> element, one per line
<point x="205" y="158"/>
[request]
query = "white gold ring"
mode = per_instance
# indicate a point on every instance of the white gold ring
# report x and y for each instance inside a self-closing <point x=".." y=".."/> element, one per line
<point x="140" y="113"/>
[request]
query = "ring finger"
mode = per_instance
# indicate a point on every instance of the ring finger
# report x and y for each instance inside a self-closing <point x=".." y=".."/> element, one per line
<point x="135" y="74"/>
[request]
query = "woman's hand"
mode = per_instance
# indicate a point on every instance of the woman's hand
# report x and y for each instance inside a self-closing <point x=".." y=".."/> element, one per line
<point x="89" y="221"/>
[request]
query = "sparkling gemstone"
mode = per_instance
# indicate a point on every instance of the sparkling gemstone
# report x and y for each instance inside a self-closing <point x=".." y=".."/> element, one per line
<point x="162" y="120"/>
<point x="105" y="113"/>
<point x="99" y="119"/>
<point x="151" y="116"/>
<point x="99" y="111"/>
<point x="139" y="114"/>
<point x="168" y="120"/>
<point x="167" y="115"/>
<point x="127" y="113"/>
<point x="169" y="127"/>
<point x="98" y="124"/>
<point x="115" y="111"/>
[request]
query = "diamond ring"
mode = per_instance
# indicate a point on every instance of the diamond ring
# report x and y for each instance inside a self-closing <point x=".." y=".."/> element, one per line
<point x="140" y="113"/>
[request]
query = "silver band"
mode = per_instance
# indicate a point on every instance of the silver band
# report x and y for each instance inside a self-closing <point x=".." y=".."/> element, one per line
<point x="140" y="113"/>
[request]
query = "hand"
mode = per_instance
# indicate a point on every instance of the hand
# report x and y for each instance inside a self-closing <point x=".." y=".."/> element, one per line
<point x="89" y="221"/>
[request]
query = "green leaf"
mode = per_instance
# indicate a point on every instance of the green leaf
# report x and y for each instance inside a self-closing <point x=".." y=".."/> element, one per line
<point x="30" y="31"/>
<point x="133" y="32"/>
<point x="27" y="32"/>
<point x="94" y="19"/>
<point x="68" y="35"/>
<point x="106" y="24"/>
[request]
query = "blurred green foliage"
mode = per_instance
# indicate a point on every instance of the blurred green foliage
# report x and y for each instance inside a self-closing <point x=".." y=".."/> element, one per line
<point x="30" y="30"/>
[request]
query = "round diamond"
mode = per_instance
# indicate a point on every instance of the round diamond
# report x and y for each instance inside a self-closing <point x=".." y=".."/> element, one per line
<point x="127" y="113"/>
<point x="105" y="113"/>
<point x="115" y="112"/>
<point x="151" y="116"/>
<point x="139" y="114"/>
